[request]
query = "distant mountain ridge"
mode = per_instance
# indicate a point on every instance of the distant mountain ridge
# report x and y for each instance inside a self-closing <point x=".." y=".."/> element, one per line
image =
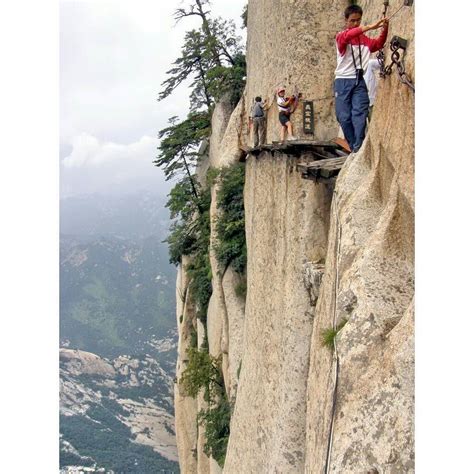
<point x="117" y="285"/>
<point x="115" y="294"/>
<point x="117" y="335"/>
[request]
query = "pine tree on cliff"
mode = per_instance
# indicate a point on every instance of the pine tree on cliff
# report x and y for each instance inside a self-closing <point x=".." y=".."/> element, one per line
<point x="178" y="146"/>
<point x="213" y="59"/>
<point x="212" y="56"/>
<point x="193" y="62"/>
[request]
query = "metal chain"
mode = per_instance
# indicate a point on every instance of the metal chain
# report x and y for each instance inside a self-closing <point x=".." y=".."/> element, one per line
<point x="395" y="45"/>
<point x="403" y="75"/>
<point x="381" y="59"/>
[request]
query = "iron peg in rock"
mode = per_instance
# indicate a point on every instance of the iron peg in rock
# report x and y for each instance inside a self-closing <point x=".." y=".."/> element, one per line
<point x="397" y="42"/>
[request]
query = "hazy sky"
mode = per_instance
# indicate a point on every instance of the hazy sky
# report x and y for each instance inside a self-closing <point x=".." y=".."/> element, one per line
<point x="113" y="58"/>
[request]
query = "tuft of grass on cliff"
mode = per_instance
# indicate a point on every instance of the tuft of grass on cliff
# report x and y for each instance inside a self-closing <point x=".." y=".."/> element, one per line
<point x="328" y="335"/>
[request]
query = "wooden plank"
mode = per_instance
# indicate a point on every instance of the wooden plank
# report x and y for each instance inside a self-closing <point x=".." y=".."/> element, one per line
<point x="340" y="152"/>
<point x="329" y="161"/>
<point x="334" y="163"/>
<point x="321" y="151"/>
<point x="310" y="143"/>
<point x="277" y="145"/>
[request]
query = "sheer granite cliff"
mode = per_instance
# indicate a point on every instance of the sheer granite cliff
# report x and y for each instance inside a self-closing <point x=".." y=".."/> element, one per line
<point x="299" y="406"/>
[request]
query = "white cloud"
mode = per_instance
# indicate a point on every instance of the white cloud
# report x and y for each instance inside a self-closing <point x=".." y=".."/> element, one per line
<point x="90" y="152"/>
<point x="96" y="166"/>
<point x="113" y="58"/>
<point x="112" y="65"/>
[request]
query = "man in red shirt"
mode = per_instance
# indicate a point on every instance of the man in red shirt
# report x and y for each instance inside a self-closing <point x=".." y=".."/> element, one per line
<point x="350" y="90"/>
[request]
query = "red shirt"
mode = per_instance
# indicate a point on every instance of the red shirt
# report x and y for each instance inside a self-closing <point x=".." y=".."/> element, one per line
<point x="354" y="37"/>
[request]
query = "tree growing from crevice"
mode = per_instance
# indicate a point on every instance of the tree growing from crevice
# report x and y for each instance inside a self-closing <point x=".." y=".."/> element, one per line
<point x="213" y="60"/>
<point x="211" y="56"/>
<point x="189" y="233"/>
<point x="203" y="372"/>
<point x="245" y="16"/>
<point x="230" y="247"/>
<point x="194" y="63"/>
<point x="179" y="147"/>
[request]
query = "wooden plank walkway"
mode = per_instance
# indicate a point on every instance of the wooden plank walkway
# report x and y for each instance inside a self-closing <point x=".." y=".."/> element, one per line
<point x="296" y="147"/>
<point x="325" y="169"/>
<point x="328" y="156"/>
<point x="329" y="164"/>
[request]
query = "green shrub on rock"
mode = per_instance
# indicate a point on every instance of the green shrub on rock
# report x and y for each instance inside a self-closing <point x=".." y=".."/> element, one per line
<point x="231" y="248"/>
<point x="202" y="372"/>
<point x="216" y="423"/>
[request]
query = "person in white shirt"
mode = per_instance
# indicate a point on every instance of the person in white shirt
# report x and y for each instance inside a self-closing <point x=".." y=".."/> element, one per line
<point x="371" y="80"/>
<point x="284" y="112"/>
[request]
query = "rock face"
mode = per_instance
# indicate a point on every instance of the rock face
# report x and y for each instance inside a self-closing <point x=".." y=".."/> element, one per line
<point x="291" y="44"/>
<point x="318" y="254"/>
<point x="185" y="407"/>
<point x="368" y="422"/>
<point x="82" y="362"/>
<point x="287" y="225"/>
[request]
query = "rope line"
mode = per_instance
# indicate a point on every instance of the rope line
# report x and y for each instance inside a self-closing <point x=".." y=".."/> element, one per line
<point x="335" y="355"/>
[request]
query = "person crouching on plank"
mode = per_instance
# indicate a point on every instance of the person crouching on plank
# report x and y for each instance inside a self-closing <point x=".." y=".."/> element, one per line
<point x="284" y="112"/>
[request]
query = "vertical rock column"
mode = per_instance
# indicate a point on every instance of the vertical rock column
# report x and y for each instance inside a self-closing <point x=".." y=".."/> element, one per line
<point x="286" y="225"/>
<point x="291" y="43"/>
<point x="185" y="407"/>
<point x="367" y="424"/>
<point x="226" y="312"/>
<point x="225" y="309"/>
